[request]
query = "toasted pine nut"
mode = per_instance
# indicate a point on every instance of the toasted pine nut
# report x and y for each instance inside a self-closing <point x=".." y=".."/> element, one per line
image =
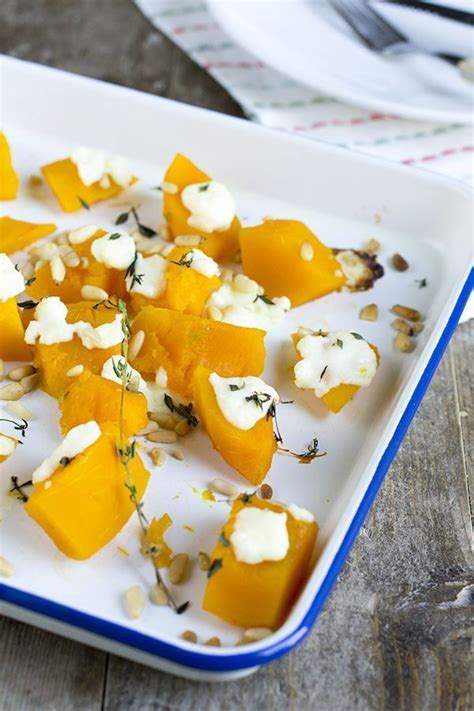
<point x="158" y="595"/>
<point x="223" y="487"/>
<point x="213" y="642"/>
<point x="158" y="456"/>
<point x="407" y="312"/>
<point x="403" y="343"/>
<point x="177" y="454"/>
<point x="177" y="568"/>
<point x="168" y="187"/>
<point x="255" y="634"/>
<point x="58" y="269"/>
<point x="72" y="260"/>
<point x="150" y="427"/>
<point x="266" y="491"/>
<point x="204" y="561"/>
<point x="182" y="428"/>
<point x="403" y="326"/>
<point x="12" y="391"/>
<point x="75" y="371"/>
<point x="306" y="252"/>
<point x="18" y="410"/>
<point x="21" y="372"/>
<point x="214" y="313"/>
<point x="30" y="382"/>
<point x="369" y="312"/>
<point x="134" y="600"/>
<point x="165" y="420"/>
<point x="28" y="270"/>
<point x="162" y="436"/>
<point x="93" y="293"/>
<point x="135" y="345"/>
<point x="6" y="568"/>
<point x="82" y="234"/>
<point x="372" y="246"/>
<point x="189" y="636"/>
<point x="188" y="240"/>
<point x="39" y="265"/>
<point x="399" y="263"/>
<point x="62" y="239"/>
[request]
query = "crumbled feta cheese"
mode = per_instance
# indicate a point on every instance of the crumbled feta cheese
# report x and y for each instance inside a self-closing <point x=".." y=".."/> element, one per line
<point x="150" y="280"/>
<point x="49" y="324"/>
<point x="243" y="401"/>
<point x="112" y="369"/>
<point x="300" y="514"/>
<point x="12" y="282"/>
<point x="7" y="445"/>
<point x="82" y="234"/>
<point x="77" y="440"/>
<point x="115" y="249"/>
<point x="201" y="263"/>
<point x="95" y="166"/>
<point x="211" y="205"/>
<point x="333" y="359"/>
<point x="161" y="377"/>
<point x="248" y="307"/>
<point x="104" y="336"/>
<point x="259" y="535"/>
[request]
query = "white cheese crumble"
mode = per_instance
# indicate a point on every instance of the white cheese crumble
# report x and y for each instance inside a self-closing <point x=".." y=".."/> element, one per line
<point x="115" y="249"/>
<point x="300" y="514"/>
<point x="249" y="307"/>
<point x="259" y="535"/>
<point x="150" y="280"/>
<point x="243" y="401"/>
<point x="104" y="336"/>
<point x="50" y="325"/>
<point x="161" y="377"/>
<point x="12" y="282"/>
<point x="7" y="445"/>
<point x="82" y="234"/>
<point x="113" y="367"/>
<point x="201" y="263"/>
<point x="211" y="205"/>
<point x="96" y="166"/>
<point x="333" y="359"/>
<point x="77" y="440"/>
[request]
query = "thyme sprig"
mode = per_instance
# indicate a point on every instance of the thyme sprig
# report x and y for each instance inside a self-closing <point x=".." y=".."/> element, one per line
<point x="312" y="452"/>
<point x="185" y="260"/>
<point x="17" y="489"/>
<point x="260" y="399"/>
<point x="184" y="411"/>
<point x="143" y="229"/>
<point x="131" y="273"/>
<point x="84" y="204"/>
<point x="20" y="427"/>
<point x="421" y="283"/>
<point x="265" y="299"/>
<point x="29" y="304"/>
<point x="126" y="452"/>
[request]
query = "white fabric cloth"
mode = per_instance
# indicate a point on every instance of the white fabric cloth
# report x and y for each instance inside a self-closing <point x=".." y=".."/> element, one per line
<point x="272" y="99"/>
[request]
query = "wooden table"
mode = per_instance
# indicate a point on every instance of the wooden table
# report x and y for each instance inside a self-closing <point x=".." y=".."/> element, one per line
<point x="393" y="633"/>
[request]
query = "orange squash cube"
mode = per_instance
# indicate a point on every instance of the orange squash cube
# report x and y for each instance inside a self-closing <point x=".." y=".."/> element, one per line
<point x="287" y="259"/>
<point x="87" y="503"/>
<point x="12" y="339"/>
<point x="63" y="178"/>
<point x="91" y="397"/>
<point x="261" y="594"/>
<point x="16" y="235"/>
<point x="9" y="182"/>
<point x="251" y="451"/>
<point x="180" y="342"/>
<point x="182" y="172"/>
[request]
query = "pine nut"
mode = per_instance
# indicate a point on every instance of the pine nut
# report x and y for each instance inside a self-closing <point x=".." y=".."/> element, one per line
<point x="134" y="600"/>
<point x="72" y="260"/>
<point x="189" y="636"/>
<point x="223" y="487"/>
<point x="177" y="568"/>
<point x="177" y="454"/>
<point x="158" y="456"/>
<point x="168" y="187"/>
<point x="165" y="420"/>
<point x="75" y="371"/>
<point x="62" y="239"/>
<point x="399" y="263"/>
<point x="18" y="410"/>
<point x="93" y="293"/>
<point x="407" y="312"/>
<point x="255" y="634"/>
<point x="39" y="265"/>
<point x="135" y="345"/>
<point x="372" y="246"/>
<point x="306" y="252"/>
<point x="245" y="285"/>
<point x="158" y="595"/>
<point x="162" y="436"/>
<point x="188" y="240"/>
<point x="213" y="642"/>
<point x="2" y="370"/>
<point x="6" y="568"/>
<point x="45" y="251"/>
<point x="403" y="326"/>
<point x="369" y="313"/>
<point x="31" y="382"/>
<point x="204" y="561"/>
<point x="148" y="429"/>
<point x="82" y="234"/>
<point x="182" y="428"/>
<point x="12" y="391"/>
<point x="58" y="269"/>
<point x="266" y="491"/>
<point x="214" y="313"/>
<point x="403" y="343"/>
<point x="21" y="372"/>
<point x="28" y="270"/>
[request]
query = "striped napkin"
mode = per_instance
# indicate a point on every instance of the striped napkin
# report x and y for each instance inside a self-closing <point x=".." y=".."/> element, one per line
<point x="272" y="99"/>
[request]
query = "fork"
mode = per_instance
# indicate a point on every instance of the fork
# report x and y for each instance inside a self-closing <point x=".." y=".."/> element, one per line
<point x="376" y="32"/>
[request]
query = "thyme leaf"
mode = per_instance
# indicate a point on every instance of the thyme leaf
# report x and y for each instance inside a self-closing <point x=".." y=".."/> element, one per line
<point x="323" y="372"/>
<point x="123" y="217"/>
<point x="203" y="188"/>
<point x="18" y="426"/>
<point x="185" y="260"/>
<point x="214" y="567"/>
<point x="357" y="336"/>
<point x="223" y="540"/>
<point x="84" y="203"/>
<point x="29" y="304"/>
<point x="265" y="299"/>
<point x="258" y="398"/>
<point x="233" y="387"/>
<point x="421" y="283"/>
<point x="18" y="488"/>
<point x="184" y="411"/>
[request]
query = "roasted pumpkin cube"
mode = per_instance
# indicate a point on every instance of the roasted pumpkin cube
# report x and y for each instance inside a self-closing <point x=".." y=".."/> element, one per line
<point x="85" y="502"/>
<point x="9" y="182"/>
<point x="182" y="172"/>
<point x="180" y="342"/>
<point x="259" y="594"/>
<point x="16" y="235"/>
<point x="286" y="258"/>
<point x="250" y="451"/>
<point x="92" y="397"/>
<point x="63" y="178"/>
<point x="12" y="339"/>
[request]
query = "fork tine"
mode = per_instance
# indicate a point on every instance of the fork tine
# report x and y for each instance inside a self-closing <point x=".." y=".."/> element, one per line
<point x="368" y="25"/>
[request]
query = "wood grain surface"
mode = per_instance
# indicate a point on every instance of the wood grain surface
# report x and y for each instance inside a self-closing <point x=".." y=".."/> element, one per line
<point x="396" y="631"/>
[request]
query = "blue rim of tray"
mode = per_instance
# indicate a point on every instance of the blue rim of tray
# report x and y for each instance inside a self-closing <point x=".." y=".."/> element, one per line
<point x="244" y="660"/>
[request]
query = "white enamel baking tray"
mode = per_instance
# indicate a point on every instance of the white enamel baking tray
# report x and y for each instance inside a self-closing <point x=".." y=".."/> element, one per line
<point x="346" y="198"/>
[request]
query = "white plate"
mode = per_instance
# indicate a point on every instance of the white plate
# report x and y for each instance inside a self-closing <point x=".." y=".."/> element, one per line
<point x="346" y="198"/>
<point x="309" y="42"/>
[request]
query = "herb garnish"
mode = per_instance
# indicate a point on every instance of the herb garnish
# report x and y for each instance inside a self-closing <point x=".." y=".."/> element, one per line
<point x="18" y="488"/>
<point x="29" y="282"/>
<point x="131" y="273"/>
<point x="306" y="457"/>
<point x="323" y="372"/>
<point x="246" y="498"/>
<point x="19" y="427"/>
<point x="214" y="567"/>
<point x="265" y="299"/>
<point x="65" y="461"/>
<point x="184" y="411"/>
<point x="185" y="260"/>
<point x="223" y="540"/>
<point x="421" y="283"/>
<point x="258" y="398"/>
<point x="339" y="343"/>
<point x="143" y="229"/>
<point x="29" y="304"/>
<point x="84" y="203"/>
<point x="233" y="387"/>
<point x="357" y="336"/>
<point x="203" y="188"/>
<point x="114" y="235"/>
